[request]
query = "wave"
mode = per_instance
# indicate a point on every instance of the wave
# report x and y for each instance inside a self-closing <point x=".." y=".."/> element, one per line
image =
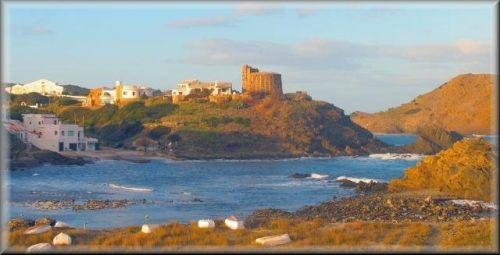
<point x="357" y="180"/>
<point x="130" y="188"/>
<point x="392" y="156"/>
<point x="474" y="202"/>
<point x="317" y="176"/>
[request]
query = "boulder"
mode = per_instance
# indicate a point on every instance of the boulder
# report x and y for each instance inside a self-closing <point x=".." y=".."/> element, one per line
<point x="148" y="228"/>
<point x="18" y="223"/>
<point x="61" y="224"/>
<point x="39" y="247"/>
<point x="62" y="239"/>
<point x="273" y="240"/>
<point x="300" y="176"/>
<point x="38" y="229"/>
<point x="45" y="221"/>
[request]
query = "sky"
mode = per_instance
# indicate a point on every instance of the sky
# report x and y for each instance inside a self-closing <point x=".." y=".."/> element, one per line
<point x="358" y="56"/>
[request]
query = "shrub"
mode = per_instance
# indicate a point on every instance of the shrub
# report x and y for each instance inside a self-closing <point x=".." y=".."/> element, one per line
<point x="158" y="132"/>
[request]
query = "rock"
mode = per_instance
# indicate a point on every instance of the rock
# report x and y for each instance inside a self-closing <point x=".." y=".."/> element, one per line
<point x="300" y="176"/>
<point x="18" y="223"/>
<point x="346" y="183"/>
<point x="61" y="224"/>
<point x="45" y="221"/>
<point x="371" y="187"/>
<point x="61" y="239"/>
<point x="38" y="229"/>
<point x="432" y="139"/>
<point x="39" y="247"/>
<point x="148" y="228"/>
<point x="274" y="240"/>
<point x="428" y="199"/>
<point x="197" y="200"/>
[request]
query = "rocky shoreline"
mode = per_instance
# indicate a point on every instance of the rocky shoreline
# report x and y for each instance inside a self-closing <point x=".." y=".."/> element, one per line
<point x="377" y="207"/>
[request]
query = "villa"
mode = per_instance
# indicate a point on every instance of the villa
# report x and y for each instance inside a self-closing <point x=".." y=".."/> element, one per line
<point x="42" y="86"/>
<point x="104" y="95"/>
<point x="187" y="87"/>
<point x="46" y="131"/>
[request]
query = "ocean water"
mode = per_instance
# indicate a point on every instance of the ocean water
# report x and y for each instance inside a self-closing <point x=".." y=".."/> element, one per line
<point x="173" y="189"/>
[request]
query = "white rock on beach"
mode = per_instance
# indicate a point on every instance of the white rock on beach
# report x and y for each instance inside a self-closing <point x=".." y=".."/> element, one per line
<point x="233" y="223"/>
<point x="62" y="239"/>
<point x="206" y="223"/>
<point x="61" y="224"/>
<point x="273" y="240"/>
<point x="37" y="229"/>
<point x="148" y="228"/>
<point x="39" y="247"/>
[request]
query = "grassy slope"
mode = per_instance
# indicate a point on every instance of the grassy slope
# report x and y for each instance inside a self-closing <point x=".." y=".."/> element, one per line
<point x="313" y="233"/>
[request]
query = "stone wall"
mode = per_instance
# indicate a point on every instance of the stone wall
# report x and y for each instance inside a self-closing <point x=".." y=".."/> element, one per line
<point x="254" y="81"/>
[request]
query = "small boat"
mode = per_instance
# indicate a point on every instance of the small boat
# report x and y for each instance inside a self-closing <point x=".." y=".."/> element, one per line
<point x="273" y="240"/>
<point x="39" y="247"/>
<point x="37" y="229"/>
<point x="148" y="228"/>
<point x="233" y="223"/>
<point x="206" y="223"/>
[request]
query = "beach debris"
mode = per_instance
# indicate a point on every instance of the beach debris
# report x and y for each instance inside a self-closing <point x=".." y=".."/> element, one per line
<point x="61" y="239"/>
<point x="206" y="223"/>
<point x="37" y="229"/>
<point x="274" y="240"/>
<point x="61" y="224"/>
<point x="39" y="247"/>
<point x="148" y="228"/>
<point x="233" y="223"/>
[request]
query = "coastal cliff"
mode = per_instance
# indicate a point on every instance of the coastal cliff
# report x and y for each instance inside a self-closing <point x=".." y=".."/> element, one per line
<point x="465" y="170"/>
<point x="463" y="104"/>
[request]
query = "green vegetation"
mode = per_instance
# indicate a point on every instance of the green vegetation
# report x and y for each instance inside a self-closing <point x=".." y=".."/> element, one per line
<point x="17" y="111"/>
<point x="75" y="90"/>
<point x="29" y="99"/>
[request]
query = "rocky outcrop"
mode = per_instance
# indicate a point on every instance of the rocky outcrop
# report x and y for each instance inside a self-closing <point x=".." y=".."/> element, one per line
<point x="24" y="156"/>
<point x="463" y="104"/>
<point x="432" y="139"/>
<point x="465" y="170"/>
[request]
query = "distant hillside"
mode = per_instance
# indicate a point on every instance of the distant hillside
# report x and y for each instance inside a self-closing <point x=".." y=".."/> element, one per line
<point x="75" y="90"/>
<point x="465" y="170"/>
<point x="463" y="104"/>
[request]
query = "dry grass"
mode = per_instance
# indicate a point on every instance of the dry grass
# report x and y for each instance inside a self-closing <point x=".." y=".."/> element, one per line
<point x="314" y="233"/>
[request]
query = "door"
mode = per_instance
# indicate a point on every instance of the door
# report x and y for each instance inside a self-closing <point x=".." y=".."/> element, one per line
<point x="72" y="146"/>
<point x="61" y="146"/>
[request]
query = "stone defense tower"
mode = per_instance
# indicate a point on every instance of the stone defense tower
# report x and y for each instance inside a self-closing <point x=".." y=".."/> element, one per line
<point x="254" y="81"/>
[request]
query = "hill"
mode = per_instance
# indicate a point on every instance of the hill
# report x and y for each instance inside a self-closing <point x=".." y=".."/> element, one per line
<point x="75" y="90"/>
<point x="259" y="128"/>
<point x="465" y="170"/>
<point x="463" y="104"/>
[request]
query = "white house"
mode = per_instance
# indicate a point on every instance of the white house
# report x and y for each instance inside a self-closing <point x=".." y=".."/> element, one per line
<point x="104" y="95"/>
<point x="186" y="87"/>
<point x="42" y="86"/>
<point x="46" y="131"/>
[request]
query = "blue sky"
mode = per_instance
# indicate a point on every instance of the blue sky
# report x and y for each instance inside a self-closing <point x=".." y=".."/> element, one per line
<point x="358" y="56"/>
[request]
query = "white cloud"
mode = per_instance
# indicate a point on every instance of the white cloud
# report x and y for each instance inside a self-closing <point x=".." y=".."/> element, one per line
<point x="256" y="9"/>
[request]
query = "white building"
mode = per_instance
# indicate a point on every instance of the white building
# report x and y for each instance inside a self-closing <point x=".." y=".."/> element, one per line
<point x="187" y="87"/>
<point x="118" y="93"/>
<point x="46" y="131"/>
<point x="42" y="86"/>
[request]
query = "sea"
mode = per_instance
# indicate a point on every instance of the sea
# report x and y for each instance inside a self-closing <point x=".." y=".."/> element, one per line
<point x="166" y="190"/>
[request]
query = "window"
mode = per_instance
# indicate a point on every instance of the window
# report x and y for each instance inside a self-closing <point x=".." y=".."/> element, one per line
<point x="55" y="122"/>
<point x="133" y="93"/>
<point x="62" y="133"/>
<point x="124" y="93"/>
<point x="71" y="133"/>
<point x="39" y="123"/>
<point x="55" y="132"/>
<point x="30" y="122"/>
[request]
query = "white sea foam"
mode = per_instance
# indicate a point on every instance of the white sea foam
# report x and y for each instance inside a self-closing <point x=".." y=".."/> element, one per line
<point x="318" y="176"/>
<point x="130" y="188"/>
<point x="392" y="156"/>
<point x="474" y="202"/>
<point x="357" y="180"/>
<point x="36" y="174"/>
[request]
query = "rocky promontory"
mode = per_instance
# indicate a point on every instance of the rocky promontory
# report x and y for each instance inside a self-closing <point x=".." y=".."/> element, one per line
<point x="465" y="170"/>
